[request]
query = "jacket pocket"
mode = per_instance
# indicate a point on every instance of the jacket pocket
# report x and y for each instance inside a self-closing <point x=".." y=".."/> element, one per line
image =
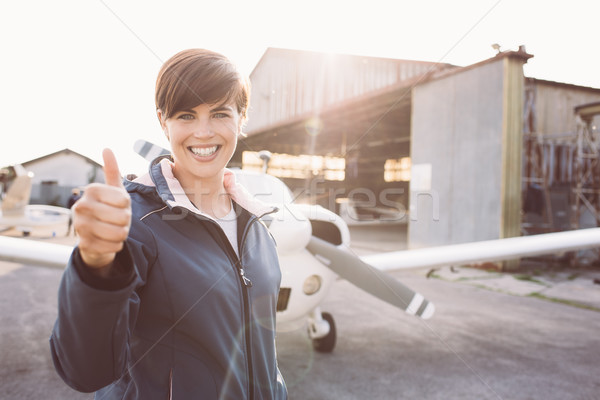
<point x="191" y="378"/>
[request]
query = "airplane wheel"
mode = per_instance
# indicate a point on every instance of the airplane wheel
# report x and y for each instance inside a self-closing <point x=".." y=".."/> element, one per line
<point x="326" y="343"/>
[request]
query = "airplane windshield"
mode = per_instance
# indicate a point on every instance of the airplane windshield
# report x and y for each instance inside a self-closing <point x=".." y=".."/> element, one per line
<point x="264" y="187"/>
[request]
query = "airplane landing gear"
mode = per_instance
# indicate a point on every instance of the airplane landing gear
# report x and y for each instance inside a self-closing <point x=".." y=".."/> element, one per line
<point x="321" y="329"/>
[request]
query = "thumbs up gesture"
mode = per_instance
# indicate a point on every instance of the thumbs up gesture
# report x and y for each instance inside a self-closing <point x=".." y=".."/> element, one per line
<point x="102" y="217"/>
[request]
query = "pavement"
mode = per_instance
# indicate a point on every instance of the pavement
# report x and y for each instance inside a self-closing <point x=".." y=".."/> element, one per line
<point x="524" y="335"/>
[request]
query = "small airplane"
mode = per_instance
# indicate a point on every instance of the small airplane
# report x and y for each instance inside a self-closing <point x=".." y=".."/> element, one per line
<point x="19" y="214"/>
<point x="313" y="244"/>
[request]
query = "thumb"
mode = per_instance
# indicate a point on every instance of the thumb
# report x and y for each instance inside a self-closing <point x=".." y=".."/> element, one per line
<point x="112" y="176"/>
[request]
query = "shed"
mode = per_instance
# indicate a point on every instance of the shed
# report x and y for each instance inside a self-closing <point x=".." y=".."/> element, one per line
<point x="58" y="173"/>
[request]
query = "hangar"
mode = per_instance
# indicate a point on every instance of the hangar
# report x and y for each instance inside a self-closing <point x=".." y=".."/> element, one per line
<point x="456" y="151"/>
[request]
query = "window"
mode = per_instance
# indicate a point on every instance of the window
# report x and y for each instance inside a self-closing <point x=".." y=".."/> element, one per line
<point x="397" y="170"/>
<point x="300" y="167"/>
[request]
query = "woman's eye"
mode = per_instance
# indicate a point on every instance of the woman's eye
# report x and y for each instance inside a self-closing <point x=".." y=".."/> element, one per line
<point x="185" y="116"/>
<point x="220" y="115"/>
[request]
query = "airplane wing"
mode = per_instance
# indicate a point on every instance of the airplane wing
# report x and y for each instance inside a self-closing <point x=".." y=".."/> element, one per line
<point x="367" y="272"/>
<point x="359" y="272"/>
<point x="489" y="250"/>
<point x="24" y="251"/>
<point x="56" y="255"/>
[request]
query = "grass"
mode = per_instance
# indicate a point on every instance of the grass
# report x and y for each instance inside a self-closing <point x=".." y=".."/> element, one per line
<point x="529" y="278"/>
<point x="523" y="277"/>
<point x="563" y="301"/>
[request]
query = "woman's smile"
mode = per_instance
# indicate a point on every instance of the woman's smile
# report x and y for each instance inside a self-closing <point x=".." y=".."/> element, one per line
<point x="203" y="140"/>
<point x="204" y="153"/>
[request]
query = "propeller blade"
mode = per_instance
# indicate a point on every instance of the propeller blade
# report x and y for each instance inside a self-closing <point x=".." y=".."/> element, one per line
<point x="149" y="150"/>
<point x="369" y="279"/>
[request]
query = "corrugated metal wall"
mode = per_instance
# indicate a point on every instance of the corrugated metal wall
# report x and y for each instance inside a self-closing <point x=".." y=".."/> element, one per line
<point x="555" y="104"/>
<point x="288" y="83"/>
<point x="457" y="156"/>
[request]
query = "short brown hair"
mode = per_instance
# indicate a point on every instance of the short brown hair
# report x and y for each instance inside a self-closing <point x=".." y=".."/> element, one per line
<point x="198" y="76"/>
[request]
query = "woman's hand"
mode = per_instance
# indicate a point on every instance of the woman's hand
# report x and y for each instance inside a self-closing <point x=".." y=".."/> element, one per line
<point x="102" y="217"/>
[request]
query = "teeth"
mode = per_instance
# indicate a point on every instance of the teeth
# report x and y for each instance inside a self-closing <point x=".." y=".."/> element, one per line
<point x="204" y="151"/>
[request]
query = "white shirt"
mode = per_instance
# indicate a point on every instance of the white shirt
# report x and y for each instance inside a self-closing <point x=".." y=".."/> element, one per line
<point x="229" y="225"/>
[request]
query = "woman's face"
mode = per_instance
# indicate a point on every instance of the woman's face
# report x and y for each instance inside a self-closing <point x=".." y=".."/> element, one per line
<point x="203" y="140"/>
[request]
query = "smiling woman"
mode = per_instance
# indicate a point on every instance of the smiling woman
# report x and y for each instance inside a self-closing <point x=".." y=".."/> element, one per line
<point x="203" y="139"/>
<point x="172" y="289"/>
<point x="201" y="102"/>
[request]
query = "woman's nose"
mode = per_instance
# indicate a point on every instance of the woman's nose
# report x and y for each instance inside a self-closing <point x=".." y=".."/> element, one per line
<point x="204" y="129"/>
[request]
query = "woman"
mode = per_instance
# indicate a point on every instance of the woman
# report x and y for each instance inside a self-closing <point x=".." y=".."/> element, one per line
<point x="171" y="292"/>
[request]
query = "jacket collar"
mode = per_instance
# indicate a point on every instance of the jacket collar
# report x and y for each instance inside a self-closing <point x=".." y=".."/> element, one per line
<point x="160" y="176"/>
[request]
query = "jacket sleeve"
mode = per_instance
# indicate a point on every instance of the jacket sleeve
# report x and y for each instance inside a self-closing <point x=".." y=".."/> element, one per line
<point x="90" y="339"/>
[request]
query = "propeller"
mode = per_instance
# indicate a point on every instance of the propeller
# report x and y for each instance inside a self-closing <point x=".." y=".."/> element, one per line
<point x="369" y="279"/>
<point x="149" y="150"/>
<point x="343" y="263"/>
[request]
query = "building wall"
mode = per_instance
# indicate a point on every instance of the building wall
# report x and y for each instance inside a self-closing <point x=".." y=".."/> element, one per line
<point x="287" y="83"/>
<point x="457" y="130"/>
<point x="555" y="104"/>
<point x="55" y="177"/>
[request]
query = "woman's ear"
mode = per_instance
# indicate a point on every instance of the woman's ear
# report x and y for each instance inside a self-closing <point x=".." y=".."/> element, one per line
<point x="240" y="128"/>
<point x="162" y="121"/>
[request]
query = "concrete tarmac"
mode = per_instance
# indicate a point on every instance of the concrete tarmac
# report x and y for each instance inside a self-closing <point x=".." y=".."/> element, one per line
<point x="491" y="337"/>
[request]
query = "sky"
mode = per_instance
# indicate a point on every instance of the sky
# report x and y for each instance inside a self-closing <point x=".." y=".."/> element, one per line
<point x="80" y="74"/>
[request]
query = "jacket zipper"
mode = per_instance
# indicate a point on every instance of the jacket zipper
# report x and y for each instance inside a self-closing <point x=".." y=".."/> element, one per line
<point x="245" y="284"/>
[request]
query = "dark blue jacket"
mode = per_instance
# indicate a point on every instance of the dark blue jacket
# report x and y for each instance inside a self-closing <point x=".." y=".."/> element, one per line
<point x="183" y="317"/>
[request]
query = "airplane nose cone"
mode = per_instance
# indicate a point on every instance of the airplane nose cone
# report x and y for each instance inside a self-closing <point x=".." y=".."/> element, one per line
<point x="291" y="230"/>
